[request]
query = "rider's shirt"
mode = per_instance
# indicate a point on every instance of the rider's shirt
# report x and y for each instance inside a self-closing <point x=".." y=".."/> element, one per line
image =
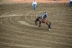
<point x="45" y="15"/>
<point x="71" y="0"/>
<point x="34" y="2"/>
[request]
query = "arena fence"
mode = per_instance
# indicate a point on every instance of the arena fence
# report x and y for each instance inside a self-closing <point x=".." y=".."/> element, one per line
<point x="29" y="1"/>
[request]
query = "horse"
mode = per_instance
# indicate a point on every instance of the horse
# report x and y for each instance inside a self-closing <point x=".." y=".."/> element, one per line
<point x="47" y="22"/>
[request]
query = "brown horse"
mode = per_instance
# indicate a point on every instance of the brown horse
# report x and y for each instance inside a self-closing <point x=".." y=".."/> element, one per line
<point x="43" y="21"/>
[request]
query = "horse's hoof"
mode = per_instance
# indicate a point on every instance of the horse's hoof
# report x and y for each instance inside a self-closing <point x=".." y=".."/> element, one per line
<point x="36" y="24"/>
<point x="39" y="26"/>
<point x="49" y="29"/>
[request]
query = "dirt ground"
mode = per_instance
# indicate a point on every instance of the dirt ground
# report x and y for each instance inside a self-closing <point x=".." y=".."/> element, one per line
<point x="17" y="28"/>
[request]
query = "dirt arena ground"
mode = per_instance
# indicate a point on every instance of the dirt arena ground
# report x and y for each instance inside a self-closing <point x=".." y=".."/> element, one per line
<point x="17" y="28"/>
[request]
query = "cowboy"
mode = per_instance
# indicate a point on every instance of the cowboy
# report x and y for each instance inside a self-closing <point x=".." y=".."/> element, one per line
<point x="44" y="16"/>
<point x="34" y="4"/>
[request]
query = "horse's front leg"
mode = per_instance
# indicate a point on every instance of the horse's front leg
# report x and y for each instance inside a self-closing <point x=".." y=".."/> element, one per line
<point x="39" y="23"/>
<point x="40" y="20"/>
<point x="36" y="22"/>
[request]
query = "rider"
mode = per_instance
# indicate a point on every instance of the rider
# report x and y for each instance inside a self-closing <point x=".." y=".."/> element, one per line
<point x="44" y="16"/>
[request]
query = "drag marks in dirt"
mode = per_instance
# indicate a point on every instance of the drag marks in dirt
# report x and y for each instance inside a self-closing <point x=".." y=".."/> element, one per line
<point x="28" y="18"/>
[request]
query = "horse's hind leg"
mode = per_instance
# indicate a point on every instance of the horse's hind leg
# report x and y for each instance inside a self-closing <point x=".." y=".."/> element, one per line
<point x="49" y="26"/>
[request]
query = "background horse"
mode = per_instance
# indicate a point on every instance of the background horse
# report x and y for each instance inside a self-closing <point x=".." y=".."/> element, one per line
<point x="43" y="21"/>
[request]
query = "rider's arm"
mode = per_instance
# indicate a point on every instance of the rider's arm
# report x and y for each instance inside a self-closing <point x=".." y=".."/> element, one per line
<point x="42" y="16"/>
